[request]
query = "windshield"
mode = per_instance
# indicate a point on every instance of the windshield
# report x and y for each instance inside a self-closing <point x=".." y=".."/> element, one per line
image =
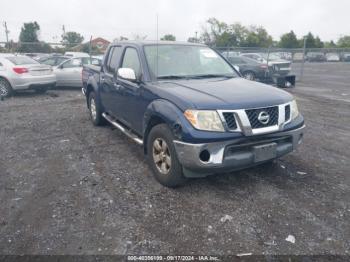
<point x="21" y="60"/>
<point x="186" y="61"/>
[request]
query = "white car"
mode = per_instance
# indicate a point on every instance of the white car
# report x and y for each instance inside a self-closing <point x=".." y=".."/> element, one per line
<point x="69" y="72"/>
<point x="76" y="54"/>
<point x="22" y="73"/>
<point x="332" y="57"/>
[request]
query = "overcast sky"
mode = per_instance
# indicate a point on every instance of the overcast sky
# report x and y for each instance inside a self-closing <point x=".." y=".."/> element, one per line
<point x="113" y="18"/>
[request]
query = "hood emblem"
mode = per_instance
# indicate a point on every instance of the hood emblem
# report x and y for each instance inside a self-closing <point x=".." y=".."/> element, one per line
<point x="264" y="117"/>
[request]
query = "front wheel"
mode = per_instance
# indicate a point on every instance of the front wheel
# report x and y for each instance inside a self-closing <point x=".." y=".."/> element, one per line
<point x="162" y="157"/>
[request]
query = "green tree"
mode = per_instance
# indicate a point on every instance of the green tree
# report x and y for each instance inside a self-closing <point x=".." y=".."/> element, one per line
<point x="29" y="39"/>
<point x="318" y="43"/>
<point x="289" y="40"/>
<point x="330" y="44"/>
<point x="29" y="32"/>
<point x="71" y="39"/>
<point x="344" y="41"/>
<point x="168" y="37"/>
<point x="213" y="31"/>
<point x="258" y="37"/>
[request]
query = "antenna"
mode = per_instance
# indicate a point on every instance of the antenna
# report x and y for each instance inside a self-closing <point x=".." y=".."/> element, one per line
<point x="157" y="50"/>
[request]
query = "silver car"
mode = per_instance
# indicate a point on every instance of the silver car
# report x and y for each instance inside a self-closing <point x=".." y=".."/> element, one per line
<point x="69" y="72"/>
<point x="23" y="73"/>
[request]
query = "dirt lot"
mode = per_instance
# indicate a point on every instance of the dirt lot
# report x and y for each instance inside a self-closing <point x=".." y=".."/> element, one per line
<point x="67" y="187"/>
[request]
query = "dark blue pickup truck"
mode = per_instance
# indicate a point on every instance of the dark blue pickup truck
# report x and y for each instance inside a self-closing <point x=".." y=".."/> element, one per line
<point x="190" y="109"/>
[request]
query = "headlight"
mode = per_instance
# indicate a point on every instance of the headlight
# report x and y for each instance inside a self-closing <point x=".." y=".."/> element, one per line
<point x="204" y="120"/>
<point x="294" y="109"/>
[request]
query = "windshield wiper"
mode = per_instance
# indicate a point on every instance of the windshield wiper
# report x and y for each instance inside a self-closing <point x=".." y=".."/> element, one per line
<point x="211" y="76"/>
<point x="172" y="77"/>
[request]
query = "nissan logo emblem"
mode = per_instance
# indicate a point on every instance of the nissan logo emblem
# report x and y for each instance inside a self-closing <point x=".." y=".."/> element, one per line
<point x="263" y="117"/>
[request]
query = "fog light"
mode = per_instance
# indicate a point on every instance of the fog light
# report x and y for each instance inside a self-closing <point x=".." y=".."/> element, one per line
<point x="204" y="156"/>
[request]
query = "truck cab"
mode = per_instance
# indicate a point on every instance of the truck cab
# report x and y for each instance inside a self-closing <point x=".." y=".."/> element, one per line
<point x="190" y="109"/>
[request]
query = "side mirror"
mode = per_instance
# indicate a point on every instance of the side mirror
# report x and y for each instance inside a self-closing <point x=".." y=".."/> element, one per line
<point x="127" y="74"/>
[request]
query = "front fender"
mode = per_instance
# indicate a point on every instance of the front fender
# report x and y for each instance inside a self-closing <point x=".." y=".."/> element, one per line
<point x="167" y="112"/>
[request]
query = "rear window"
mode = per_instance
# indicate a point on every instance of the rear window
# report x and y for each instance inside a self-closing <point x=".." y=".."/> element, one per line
<point x="21" y="60"/>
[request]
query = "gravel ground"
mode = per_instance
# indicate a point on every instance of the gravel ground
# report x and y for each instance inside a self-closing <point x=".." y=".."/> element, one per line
<point x="67" y="187"/>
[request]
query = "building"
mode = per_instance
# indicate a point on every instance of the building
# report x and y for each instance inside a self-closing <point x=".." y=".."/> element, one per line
<point x="99" y="43"/>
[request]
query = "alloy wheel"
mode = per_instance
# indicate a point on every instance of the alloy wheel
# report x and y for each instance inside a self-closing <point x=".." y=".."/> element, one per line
<point x="161" y="156"/>
<point x="93" y="109"/>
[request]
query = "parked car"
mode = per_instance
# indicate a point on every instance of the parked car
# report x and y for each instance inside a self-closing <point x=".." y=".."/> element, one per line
<point x="228" y="54"/>
<point x="76" y="54"/>
<point x="69" y="72"/>
<point x="250" y="68"/>
<point x="37" y="56"/>
<point x="298" y="57"/>
<point x="23" y="73"/>
<point x="332" y="57"/>
<point x="315" y="57"/>
<point x="345" y="57"/>
<point x="53" y="60"/>
<point x="190" y="109"/>
<point x="283" y="55"/>
<point x="278" y="67"/>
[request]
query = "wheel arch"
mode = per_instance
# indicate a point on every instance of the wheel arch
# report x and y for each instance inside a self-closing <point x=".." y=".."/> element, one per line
<point x="162" y="112"/>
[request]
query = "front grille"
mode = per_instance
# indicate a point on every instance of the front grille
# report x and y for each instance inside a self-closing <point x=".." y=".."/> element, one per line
<point x="230" y="120"/>
<point x="287" y="113"/>
<point x="253" y="115"/>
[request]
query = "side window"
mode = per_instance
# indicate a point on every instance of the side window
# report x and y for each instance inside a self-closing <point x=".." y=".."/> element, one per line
<point x="86" y="60"/>
<point x="131" y="60"/>
<point x="76" y="62"/>
<point x="50" y="61"/>
<point x="60" y="60"/>
<point x="95" y="61"/>
<point x="114" y="59"/>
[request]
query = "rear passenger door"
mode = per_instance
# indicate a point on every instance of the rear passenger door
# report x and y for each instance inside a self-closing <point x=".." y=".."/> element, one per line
<point x="107" y="81"/>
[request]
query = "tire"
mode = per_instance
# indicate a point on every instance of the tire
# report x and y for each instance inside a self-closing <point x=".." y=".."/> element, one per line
<point x="162" y="157"/>
<point x="249" y="75"/>
<point x="95" y="111"/>
<point x="41" y="90"/>
<point x="5" y="88"/>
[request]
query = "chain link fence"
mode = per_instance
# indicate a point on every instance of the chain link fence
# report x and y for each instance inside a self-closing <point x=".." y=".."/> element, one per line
<point x="291" y="60"/>
<point x="49" y="48"/>
<point x="271" y="61"/>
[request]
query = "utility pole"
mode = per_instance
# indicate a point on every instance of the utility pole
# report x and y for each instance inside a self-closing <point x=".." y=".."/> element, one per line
<point x="196" y="37"/>
<point x="7" y="34"/>
<point x="302" y="65"/>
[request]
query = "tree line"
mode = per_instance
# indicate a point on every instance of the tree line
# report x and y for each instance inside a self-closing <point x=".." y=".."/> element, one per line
<point x="214" y="33"/>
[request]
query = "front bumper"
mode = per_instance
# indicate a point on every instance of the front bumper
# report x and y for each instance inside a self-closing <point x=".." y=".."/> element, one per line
<point x="233" y="154"/>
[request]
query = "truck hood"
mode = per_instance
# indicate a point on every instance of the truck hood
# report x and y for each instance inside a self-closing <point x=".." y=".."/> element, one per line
<point x="234" y="93"/>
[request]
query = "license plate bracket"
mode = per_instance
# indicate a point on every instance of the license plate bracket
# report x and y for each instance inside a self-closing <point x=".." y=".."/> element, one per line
<point x="265" y="152"/>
